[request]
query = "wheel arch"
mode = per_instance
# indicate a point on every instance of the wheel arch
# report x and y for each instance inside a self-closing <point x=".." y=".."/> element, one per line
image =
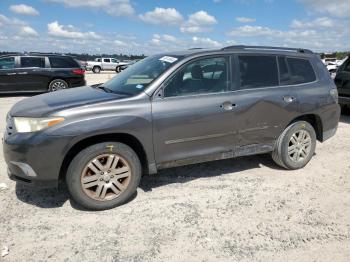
<point x="314" y="120"/>
<point x="127" y="139"/>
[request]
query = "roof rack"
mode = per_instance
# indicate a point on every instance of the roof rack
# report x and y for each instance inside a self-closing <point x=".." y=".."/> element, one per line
<point x="268" y="48"/>
<point x="195" y="48"/>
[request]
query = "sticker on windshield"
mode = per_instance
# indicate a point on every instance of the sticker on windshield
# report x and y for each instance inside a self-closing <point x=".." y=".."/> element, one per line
<point x="139" y="86"/>
<point x="168" y="59"/>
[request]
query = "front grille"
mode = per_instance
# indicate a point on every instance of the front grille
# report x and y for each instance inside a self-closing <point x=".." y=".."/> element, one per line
<point x="10" y="126"/>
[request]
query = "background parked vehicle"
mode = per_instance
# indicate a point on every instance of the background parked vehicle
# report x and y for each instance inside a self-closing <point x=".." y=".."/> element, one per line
<point x="39" y="73"/>
<point x="342" y="80"/>
<point x="105" y="64"/>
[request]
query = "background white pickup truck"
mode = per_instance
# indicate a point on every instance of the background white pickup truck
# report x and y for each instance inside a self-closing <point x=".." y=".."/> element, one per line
<point x="105" y="63"/>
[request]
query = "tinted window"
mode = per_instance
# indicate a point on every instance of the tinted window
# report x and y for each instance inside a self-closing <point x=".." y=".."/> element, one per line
<point x="106" y="60"/>
<point x="63" y="62"/>
<point x="7" y="63"/>
<point x="258" y="71"/>
<point x="32" y="62"/>
<point x="347" y="67"/>
<point x="202" y="76"/>
<point x="301" y="71"/>
<point x="114" y="61"/>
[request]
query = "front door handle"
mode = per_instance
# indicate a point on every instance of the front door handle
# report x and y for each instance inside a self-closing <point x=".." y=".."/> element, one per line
<point x="288" y="99"/>
<point x="23" y="73"/>
<point x="11" y="74"/>
<point x="228" y="106"/>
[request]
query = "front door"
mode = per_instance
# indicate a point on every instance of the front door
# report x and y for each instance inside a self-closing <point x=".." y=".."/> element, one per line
<point x="192" y="117"/>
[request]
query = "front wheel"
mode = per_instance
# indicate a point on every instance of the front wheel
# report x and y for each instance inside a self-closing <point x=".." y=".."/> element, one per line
<point x="118" y="69"/>
<point x="104" y="175"/>
<point x="295" y="146"/>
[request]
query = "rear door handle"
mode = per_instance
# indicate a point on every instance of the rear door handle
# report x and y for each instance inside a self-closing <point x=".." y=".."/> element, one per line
<point x="23" y="73"/>
<point x="228" y="106"/>
<point x="288" y="99"/>
<point x="11" y="74"/>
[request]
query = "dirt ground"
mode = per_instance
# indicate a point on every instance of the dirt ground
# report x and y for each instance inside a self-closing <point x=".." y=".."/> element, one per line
<point x="244" y="209"/>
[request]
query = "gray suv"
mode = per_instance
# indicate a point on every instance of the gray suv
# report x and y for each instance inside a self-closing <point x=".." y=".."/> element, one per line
<point x="168" y="110"/>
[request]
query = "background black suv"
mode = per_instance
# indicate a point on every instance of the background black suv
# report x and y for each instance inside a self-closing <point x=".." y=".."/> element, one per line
<point x="39" y="73"/>
<point x="342" y="80"/>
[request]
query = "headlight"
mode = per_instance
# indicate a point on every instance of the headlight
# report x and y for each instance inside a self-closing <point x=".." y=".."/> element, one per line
<point x="26" y="125"/>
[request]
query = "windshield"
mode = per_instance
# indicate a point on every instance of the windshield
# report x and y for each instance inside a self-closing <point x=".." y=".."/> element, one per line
<point x="137" y="77"/>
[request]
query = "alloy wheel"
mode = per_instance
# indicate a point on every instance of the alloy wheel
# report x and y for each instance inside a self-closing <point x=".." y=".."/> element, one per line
<point x="105" y="177"/>
<point x="299" y="146"/>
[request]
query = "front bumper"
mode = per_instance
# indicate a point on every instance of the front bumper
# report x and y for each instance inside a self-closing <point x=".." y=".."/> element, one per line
<point x="34" y="159"/>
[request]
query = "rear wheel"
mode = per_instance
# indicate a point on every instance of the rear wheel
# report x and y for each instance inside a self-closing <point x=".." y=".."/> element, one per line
<point x="104" y="176"/>
<point x="295" y="146"/>
<point x="57" y="84"/>
<point x="96" y="69"/>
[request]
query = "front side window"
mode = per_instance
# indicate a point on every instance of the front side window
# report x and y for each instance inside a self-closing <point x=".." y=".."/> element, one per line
<point x="32" y="62"/>
<point x="203" y="76"/>
<point x="114" y="61"/>
<point x="137" y="77"/>
<point x="258" y="71"/>
<point x="7" y="63"/>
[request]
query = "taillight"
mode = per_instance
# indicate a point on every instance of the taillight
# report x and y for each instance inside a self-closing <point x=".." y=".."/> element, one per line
<point x="78" y="71"/>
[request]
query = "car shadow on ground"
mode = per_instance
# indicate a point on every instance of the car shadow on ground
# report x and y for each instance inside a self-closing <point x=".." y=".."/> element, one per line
<point x="210" y="169"/>
<point x="55" y="198"/>
<point x="345" y="117"/>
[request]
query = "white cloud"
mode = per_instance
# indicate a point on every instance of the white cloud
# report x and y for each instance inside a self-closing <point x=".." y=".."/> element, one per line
<point x="23" y="9"/>
<point x="198" y="22"/>
<point x="28" y="31"/>
<point x="248" y="31"/>
<point x="120" y="43"/>
<point x="112" y="7"/>
<point x="242" y="19"/>
<point x="339" y="8"/>
<point x="322" y="22"/>
<point x="205" y="42"/>
<point x="17" y="26"/>
<point x="55" y="29"/>
<point x="162" y="16"/>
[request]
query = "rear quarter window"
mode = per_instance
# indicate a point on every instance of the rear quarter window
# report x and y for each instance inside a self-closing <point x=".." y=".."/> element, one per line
<point x="300" y="71"/>
<point x="63" y="62"/>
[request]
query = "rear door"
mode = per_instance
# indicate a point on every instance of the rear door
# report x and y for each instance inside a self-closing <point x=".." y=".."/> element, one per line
<point x="8" y="82"/>
<point x="263" y="106"/>
<point x="32" y="74"/>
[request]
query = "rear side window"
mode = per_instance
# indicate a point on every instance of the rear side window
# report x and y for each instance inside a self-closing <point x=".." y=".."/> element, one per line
<point x="63" y="62"/>
<point x="7" y="63"/>
<point x="32" y="62"/>
<point x="258" y="71"/>
<point x="299" y="71"/>
<point x="107" y="60"/>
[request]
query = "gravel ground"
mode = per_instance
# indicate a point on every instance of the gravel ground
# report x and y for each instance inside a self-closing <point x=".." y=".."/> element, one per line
<point x="232" y="210"/>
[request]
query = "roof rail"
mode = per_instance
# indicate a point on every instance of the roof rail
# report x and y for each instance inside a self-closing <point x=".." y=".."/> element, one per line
<point x="195" y="48"/>
<point x="268" y="48"/>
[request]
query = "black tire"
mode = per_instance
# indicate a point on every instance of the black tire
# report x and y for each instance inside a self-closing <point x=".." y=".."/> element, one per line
<point x="81" y="160"/>
<point x="57" y="84"/>
<point x="118" y="69"/>
<point x="96" y="69"/>
<point x="280" y="154"/>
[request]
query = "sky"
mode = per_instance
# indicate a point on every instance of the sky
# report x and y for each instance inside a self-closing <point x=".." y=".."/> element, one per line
<point x="153" y="26"/>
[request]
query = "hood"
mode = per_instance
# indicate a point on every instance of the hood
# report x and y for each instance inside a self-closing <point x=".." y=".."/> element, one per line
<point x="46" y="104"/>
